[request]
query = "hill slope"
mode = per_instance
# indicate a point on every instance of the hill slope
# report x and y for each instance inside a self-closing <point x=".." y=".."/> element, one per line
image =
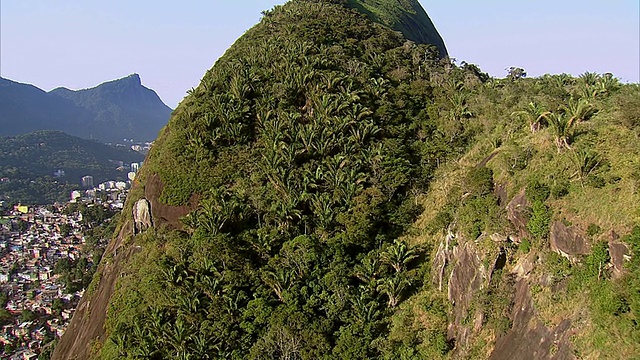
<point x="406" y="16"/>
<point x="128" y="108"/>
<point x="110" y="112"/>
<point x="25" y="108"/>
<point x="28" y="163"/>
<point x="301" y="143"/>
<point x="328" y="191"/>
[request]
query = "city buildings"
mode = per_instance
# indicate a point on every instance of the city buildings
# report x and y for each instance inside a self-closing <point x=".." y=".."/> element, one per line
<point x="39" y="302"/>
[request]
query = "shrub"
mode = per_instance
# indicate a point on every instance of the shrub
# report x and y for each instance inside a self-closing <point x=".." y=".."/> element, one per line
<point x="595" y="262"/>
<point x="525" y="246"/>
<point x="630" y="108"/>
<point x="560" y="189"/>
<point x="440" y="222"/>
<point x="593" y="229"/>
<point x="538" y="224"/>
<point x="596" y="181"/>
<point x="479" y="213"/>
<point x="519" y="159"/>
<point x="479" y="181"/>
<point x="536" y="191"/>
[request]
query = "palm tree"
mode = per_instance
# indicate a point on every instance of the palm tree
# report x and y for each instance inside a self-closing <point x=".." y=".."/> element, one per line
<point x="200" y="346"/>
<point x="579" y="110"/>
<point x="607" y="83"/>
<point x="175" y="274"/>
<point x="398" y="255"/>
<point x="189" y="304"/>
<point x="279" y="281"/>
<point x="367" y="271"/>
<point x="365" y="309"/>
<point x="177" y="335"/>
<point x="460" y="109"/>
<point x="146" y="346"/>
<point x="532" y="115"/>
<point x="321" y="205"/>
<point x="562" y="128"/>
<point x="587" y="161"/>
<point x="591" y="84"/>
<point x="563" y="123"/>
<point x="393" y="288"/>
<point x="379" y="87"/>
<point x="121" y="340"/>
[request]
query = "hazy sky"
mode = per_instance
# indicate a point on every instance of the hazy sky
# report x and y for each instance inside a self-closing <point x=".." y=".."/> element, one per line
<point x="81" y="43"/>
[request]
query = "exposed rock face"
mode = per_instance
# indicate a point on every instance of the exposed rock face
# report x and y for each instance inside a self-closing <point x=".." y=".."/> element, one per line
<point x="501" y="193"/>
<point x="465" y="276"/>
<point x="524" y="266"/>
<point x="441" y="260"/>
<point x="619" y="253"/>
<point x="529" y="338"/>
<point x="87" y="325"/>
<point x="162" y="214"/>
<point x="517" y="213"/>
<point x="567" y="242"/>
<point x="141" y="216"/>
<point x="468" y="276"/>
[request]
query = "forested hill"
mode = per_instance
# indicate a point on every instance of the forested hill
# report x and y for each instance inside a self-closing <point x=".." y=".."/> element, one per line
<point x="406" y="16"/>
<point x="331" y="190"/>
<point x="28" y="163"/>
<point x="113" y="111"/>
<point x="124" y="108"/>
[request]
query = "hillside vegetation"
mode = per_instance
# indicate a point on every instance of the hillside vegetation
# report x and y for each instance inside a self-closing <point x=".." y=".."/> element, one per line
<point x="406" y="16"/>
<point x="346" y="197"/>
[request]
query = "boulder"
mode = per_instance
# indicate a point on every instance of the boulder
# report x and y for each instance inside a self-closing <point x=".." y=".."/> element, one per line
<point x="567" y="242"/>
<point x="524" y="266"/>
<point x="517" y="211"/>
<point x="529" y="338"/>
<point x="619" y="253"/>
<point x="141" y="216"/>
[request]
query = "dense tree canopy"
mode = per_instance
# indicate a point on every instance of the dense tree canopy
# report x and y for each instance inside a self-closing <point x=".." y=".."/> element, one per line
<point x="307" y="142"/>
<point x="313" y="145"/>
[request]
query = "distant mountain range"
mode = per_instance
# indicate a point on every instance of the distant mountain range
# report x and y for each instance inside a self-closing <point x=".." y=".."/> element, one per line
<point x="28" y="163"/>
<point x="110" y="112"/>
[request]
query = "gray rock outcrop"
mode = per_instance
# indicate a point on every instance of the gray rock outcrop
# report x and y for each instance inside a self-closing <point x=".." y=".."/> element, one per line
<point x="141" y="216"/>
<point x="567" y="241"/>
<point x="517" y="210"/>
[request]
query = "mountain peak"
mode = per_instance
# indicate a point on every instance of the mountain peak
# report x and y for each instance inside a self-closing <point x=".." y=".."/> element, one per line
<point x="133" y="79"/>
<point x="406" y="16"/>
<point x="112" y="111"/>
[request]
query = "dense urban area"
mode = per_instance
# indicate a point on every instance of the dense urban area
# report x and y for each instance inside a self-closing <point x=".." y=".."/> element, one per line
<point x="48" y="254"/>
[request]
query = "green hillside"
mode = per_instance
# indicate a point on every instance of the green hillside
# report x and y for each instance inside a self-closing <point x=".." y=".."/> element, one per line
<point x="333" y="191"/>
<point x="406" y="16"/>
<point x="28" y="163"/>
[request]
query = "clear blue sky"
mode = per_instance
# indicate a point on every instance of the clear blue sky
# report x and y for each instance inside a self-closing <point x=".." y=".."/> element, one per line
<point x="81" y="43"/>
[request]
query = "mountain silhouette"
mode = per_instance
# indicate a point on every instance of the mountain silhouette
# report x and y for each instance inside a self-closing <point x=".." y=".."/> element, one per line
<point x="110" y="112"/>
